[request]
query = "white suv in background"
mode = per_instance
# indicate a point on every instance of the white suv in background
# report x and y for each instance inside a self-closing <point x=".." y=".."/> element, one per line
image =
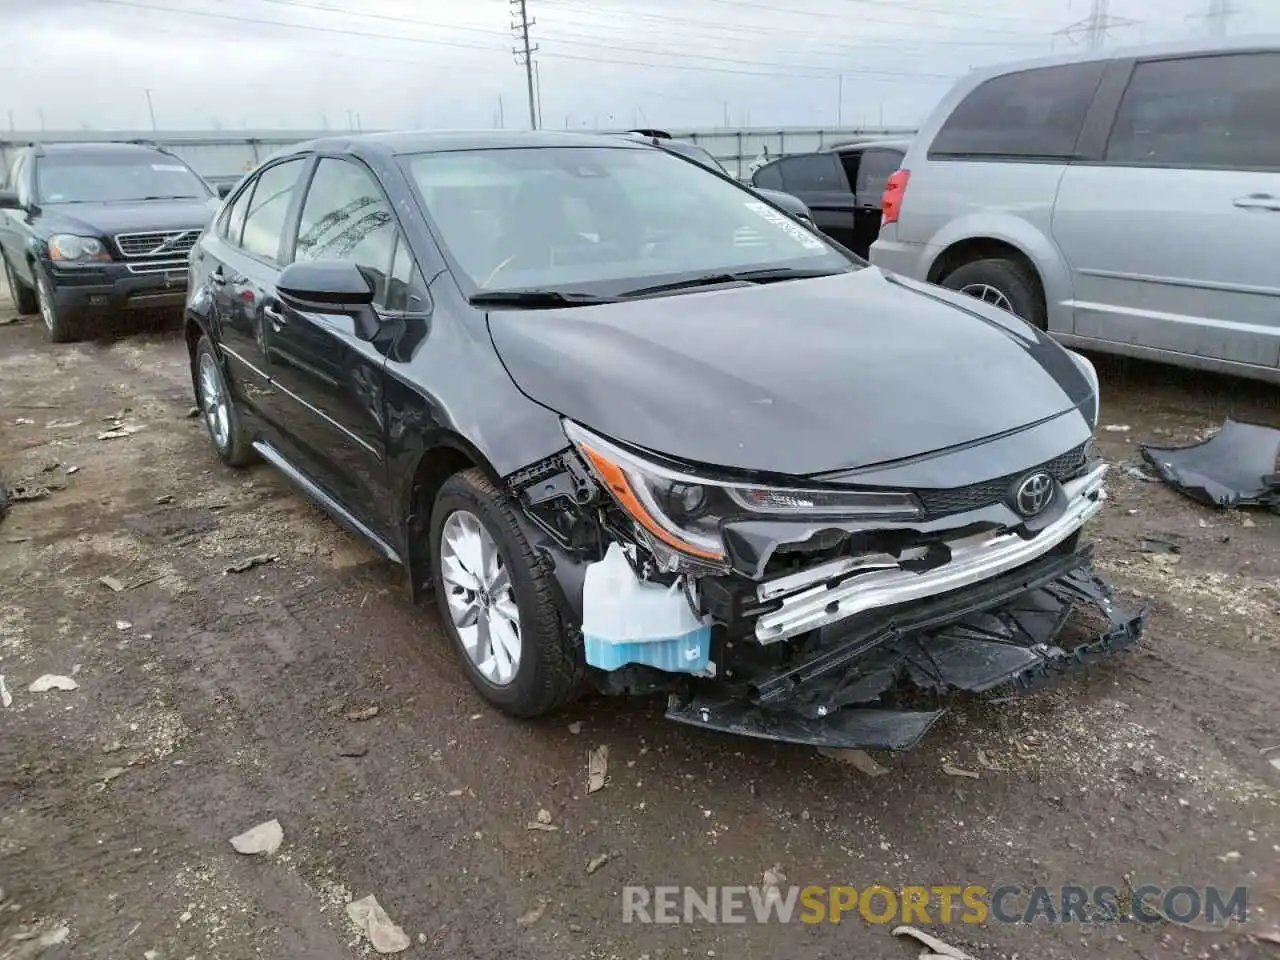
<point x="1127" y="201"/>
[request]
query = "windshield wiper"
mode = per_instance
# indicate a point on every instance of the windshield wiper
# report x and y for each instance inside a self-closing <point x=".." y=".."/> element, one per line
<point x="764" y="275"/>
<point x="185" y="196"/>
<point x="535" y="299"/>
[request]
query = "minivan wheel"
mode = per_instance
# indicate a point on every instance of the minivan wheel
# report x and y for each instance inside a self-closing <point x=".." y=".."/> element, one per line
<point x="218" y="409"/>
<point x="497" y="601"/>
<point x="1006" y="284"/>
<point x="24" y="297"/>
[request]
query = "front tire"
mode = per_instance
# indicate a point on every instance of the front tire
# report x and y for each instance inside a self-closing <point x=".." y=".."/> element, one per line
<point x="497" y="601"/>
<point x="218" y="408"/>
<point x="1003" y="283"/>
<point x="24" y="297"/>
<point x="56" y="322"/>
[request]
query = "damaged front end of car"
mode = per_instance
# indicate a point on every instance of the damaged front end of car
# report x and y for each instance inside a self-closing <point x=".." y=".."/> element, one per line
<point x="821" y="613"/>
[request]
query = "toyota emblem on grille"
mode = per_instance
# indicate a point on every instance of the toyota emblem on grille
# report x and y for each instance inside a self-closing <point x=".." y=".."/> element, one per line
<point x="1033" y="494"/>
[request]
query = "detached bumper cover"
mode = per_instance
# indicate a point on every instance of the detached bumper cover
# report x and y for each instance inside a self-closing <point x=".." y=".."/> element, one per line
<point x="883" y="682"/>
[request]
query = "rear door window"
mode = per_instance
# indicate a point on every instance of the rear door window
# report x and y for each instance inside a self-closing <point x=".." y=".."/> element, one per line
<point x="812" y="173"/>
<point x="268" y="209"/>
<point x="1216" y="112"/>
<point x="768" y="177"/>
<point x="231" y="225"/>
<point x="874" y="172"/>
<point x="1032" y="114"/>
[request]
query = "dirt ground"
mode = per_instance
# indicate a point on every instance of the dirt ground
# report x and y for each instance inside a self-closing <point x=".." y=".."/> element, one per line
<point x="208" y="702"/>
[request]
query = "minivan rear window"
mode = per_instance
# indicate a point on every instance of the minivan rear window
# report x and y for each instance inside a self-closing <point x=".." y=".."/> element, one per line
<point x="1032" y="114"/>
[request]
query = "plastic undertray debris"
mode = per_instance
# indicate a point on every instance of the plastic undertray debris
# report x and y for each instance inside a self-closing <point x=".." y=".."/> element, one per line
<point x="1236" y="467"/>
<point x="883" y="686"/>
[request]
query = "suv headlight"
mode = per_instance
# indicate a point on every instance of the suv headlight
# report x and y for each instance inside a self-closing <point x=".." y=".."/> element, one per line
<point x="685" y="512"/>
<point x="67" y="248"/>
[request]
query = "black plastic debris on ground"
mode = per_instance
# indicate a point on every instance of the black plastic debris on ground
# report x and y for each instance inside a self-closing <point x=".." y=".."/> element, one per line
<point x="1236" y="467"/>
<point x="883" y="687"/>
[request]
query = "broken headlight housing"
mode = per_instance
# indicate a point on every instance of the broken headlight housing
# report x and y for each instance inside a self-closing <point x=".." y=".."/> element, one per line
<point x="684" y="512"/>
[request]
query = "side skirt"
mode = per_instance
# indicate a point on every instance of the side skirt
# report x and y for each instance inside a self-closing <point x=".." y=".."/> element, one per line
<point x="331" y="506"/>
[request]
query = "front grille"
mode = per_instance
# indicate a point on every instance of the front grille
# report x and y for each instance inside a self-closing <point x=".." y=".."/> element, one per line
<point x="158" y="266"/>
<point x="941" y="502"/>
<point x="163" y="243"/>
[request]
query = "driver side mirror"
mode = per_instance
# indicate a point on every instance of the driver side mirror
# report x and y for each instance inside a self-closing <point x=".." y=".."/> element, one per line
<point x="9" y="200"/>
<point x="334" y="287"/>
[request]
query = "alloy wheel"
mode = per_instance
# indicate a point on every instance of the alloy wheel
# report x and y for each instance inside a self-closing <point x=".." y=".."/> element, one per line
<point x="989" y="294"/>
<point x="214" y="403"/>
<point x="480" y="597"/>
<point x="45" y="297"/>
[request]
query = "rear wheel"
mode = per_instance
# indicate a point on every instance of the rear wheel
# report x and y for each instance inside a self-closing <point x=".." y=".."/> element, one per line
<point x="218" y="410"/>
<point x="24" y="297"/>
<point x="1003" y="283"/>
<point x="497" y="601"/>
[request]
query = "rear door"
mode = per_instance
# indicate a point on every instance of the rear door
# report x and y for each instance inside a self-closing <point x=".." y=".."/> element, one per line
<point x="1173" y="237"/>
<point x="329" y="377"/>
<point x="819" y="180"/>
<point x="248" y="263"/>
<point x="876" y="166"/>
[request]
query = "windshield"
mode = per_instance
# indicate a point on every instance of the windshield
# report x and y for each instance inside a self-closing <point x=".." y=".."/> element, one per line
<point x="106" y="178"/>
<point x="602" y="218"/>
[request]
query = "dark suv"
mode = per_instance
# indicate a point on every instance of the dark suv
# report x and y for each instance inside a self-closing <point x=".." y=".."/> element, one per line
<point x="92" y="229"/>
<point x="635" y="427"/>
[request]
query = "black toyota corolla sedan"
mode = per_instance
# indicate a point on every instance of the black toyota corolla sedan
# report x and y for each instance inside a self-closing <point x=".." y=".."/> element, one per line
<point x="637" y="430"/>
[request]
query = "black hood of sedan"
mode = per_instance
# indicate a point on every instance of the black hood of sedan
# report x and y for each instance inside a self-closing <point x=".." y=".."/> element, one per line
<point x="796" y="377"/>
<point x="140" y="216"/>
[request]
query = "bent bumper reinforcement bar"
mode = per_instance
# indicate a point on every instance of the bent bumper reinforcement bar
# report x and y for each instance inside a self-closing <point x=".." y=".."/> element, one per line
<point x="972" y="562"/>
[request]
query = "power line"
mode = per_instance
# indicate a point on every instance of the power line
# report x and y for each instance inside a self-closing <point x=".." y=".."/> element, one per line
<point x="521" y="29"/>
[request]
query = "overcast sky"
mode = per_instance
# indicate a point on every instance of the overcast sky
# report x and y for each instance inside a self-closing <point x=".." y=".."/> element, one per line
<point x="308" y="64"/>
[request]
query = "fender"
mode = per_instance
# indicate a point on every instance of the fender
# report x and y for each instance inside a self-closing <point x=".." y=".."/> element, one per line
<point x="1039" y="249"/>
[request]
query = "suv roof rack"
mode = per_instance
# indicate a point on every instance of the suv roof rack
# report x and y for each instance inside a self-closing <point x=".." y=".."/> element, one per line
<point x="654" y="134"/>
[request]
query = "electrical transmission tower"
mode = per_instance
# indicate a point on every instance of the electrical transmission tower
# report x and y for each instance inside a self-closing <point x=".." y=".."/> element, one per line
<point x="524" y="53"/>
<point x="1217" y="17"/>
<point x="1092" y="30"/>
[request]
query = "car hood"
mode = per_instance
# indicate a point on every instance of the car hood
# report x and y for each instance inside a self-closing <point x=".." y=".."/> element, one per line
<point x="143" y="216"/>
<point x="796" y="377"/>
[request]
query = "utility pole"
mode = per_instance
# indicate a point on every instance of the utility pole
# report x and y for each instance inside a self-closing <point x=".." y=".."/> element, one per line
<point x="1218" y="17"/>
<point x="11" y="126"/>
<point x="520" y="28"/>
<point x="537" y="88"/>
<point x="151" y="110"/>
<point x="1092" y="30"/>
<point x="502" y="120"/>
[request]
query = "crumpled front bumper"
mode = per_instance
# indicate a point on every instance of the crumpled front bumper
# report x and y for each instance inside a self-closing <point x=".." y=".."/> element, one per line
<point x="843" y="588"/>
<point x="884" y="678"/>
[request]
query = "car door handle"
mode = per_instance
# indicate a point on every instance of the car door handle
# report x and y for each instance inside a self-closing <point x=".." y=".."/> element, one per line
<point x="277" y="319"/>
<point x="1258" y="201"/>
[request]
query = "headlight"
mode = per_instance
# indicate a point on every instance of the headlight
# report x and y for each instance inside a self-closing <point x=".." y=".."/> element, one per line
<point x="685" y="512"/>
<point x="1091" y="374"/>
<point x="65" y="247"/>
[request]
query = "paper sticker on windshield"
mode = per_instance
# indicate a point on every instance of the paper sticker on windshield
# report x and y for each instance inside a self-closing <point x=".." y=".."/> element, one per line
<point x="168" y="168"/>
<point x="784" y="223"/>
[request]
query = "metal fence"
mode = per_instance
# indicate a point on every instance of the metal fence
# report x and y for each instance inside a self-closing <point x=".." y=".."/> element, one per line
<point x="221" y="157"/>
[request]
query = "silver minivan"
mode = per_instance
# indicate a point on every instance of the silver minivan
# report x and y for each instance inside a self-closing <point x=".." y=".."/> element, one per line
<point x="1127" y="201"/>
